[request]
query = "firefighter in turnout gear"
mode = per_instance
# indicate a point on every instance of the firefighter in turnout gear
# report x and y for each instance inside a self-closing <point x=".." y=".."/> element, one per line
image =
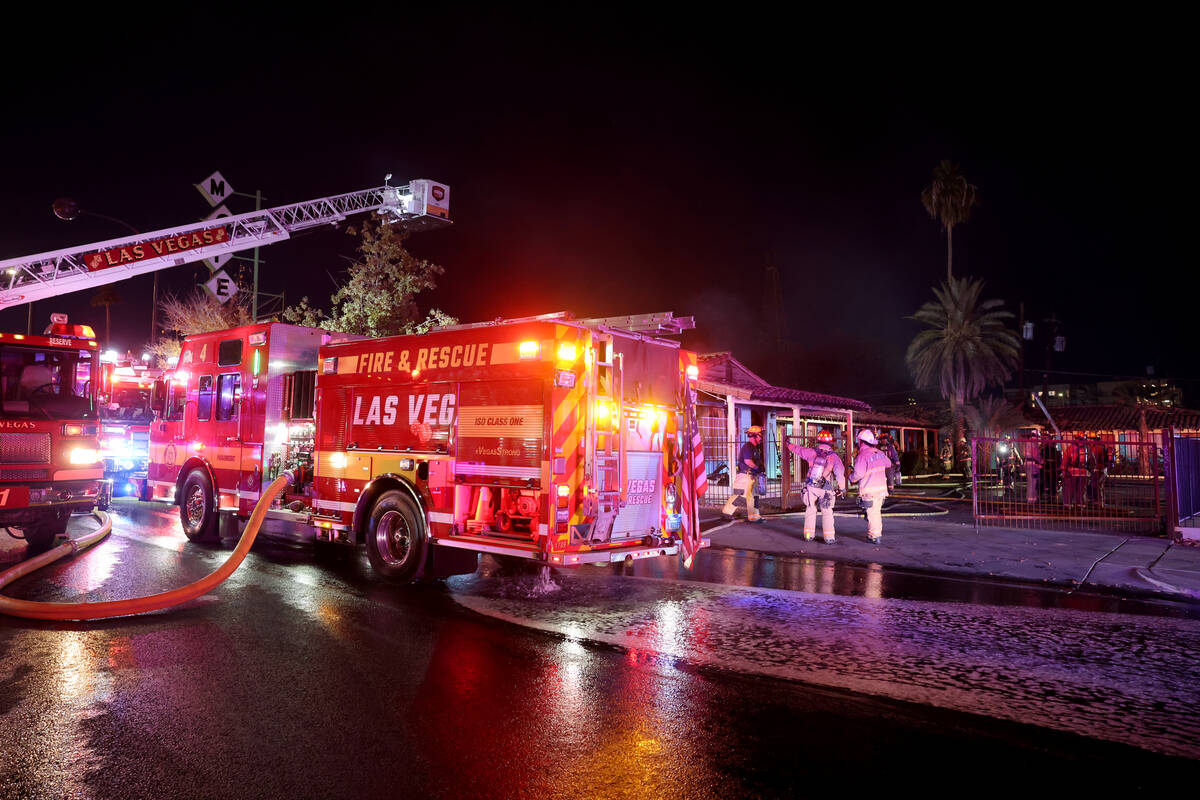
<point x="826" y="481"/>
<point x="749" y="467"/>
<point x="870" y="473"/>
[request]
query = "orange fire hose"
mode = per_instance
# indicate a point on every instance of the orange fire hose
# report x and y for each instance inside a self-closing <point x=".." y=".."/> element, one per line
<point x="137" y="605"/>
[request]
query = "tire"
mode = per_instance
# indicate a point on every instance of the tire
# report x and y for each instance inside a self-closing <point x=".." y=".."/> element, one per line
<point x="197" y="509"/>
<point x="396" y="537"/>
<point x="104" y="497"/>
<point x="41" y="535"/>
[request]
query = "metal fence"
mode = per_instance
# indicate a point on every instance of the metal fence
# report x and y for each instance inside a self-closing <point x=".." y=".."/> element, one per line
<point x="1183" y="465"/>
<point x="1069" y="482"/>
<point x="784" y="477"/>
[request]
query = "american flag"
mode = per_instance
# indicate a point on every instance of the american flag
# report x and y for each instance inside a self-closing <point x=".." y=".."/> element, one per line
<point x="694" y="488"/>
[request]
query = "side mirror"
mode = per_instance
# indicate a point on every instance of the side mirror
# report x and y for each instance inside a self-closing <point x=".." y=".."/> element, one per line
<point x="158" y="396"/>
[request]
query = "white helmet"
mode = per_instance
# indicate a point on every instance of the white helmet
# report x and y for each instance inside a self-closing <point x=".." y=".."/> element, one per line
<point x="865" y="435"/>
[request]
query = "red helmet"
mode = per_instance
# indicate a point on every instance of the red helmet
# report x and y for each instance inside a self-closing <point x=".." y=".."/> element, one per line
<point x="825" y="437"/>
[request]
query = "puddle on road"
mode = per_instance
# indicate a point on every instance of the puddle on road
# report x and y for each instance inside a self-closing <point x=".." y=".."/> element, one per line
<point x="1106" y="676"/>
<point x="821" y="576"/>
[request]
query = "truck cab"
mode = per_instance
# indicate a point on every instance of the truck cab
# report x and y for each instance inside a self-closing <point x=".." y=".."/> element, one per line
<point x="50" y="462"/>
<point x="236" y="410"/>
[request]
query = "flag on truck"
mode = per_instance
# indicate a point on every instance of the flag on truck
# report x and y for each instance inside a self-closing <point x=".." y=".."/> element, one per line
<point x="694" y="485"/>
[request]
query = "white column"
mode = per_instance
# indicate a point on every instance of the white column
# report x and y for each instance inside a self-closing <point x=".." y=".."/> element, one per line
<point x="731" y="437"/>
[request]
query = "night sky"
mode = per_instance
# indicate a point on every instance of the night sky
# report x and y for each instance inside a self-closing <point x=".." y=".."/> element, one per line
<point x="612" y="163"/>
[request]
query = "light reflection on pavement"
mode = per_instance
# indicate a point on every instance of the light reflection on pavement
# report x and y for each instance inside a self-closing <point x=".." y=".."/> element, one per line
<point x="1119" y="677"/>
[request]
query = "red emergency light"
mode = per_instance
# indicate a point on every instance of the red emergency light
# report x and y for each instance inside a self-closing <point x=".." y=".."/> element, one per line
<point x="68" y="331"/>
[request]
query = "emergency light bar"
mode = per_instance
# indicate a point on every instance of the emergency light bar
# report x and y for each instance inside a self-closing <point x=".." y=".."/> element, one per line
<point x="68" y="331"/>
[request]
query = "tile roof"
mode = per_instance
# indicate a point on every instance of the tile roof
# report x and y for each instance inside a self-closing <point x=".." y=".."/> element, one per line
<point x="1122" y="418"/>
<point x="780" y="394"/>
<point x="723" y="370"/>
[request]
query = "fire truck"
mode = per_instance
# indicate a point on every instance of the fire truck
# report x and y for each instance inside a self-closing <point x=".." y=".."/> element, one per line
<point x="125" y="418"/>
<point x="552" y="439"/>
<point x="46" y="439"/>
<point x="49" y="449"/>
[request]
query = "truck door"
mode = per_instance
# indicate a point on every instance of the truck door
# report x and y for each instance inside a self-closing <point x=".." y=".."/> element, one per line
<point x="217" y="416"/>
<point x="168" y="447"/>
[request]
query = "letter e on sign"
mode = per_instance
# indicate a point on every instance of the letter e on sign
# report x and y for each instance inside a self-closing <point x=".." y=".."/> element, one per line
<point x="221" y="286"/>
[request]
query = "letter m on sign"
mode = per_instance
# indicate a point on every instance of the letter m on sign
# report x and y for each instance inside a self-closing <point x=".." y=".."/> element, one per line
<point x="215" y="189"/>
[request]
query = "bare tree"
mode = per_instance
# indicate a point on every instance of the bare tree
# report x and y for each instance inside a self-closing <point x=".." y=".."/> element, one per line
<point x="198" y="312"/>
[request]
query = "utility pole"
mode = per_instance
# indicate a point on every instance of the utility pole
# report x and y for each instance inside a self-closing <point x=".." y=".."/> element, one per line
<point x="254" y="300"/>
<point x="1054" y="344"/>
<point x="1021" y="356"/>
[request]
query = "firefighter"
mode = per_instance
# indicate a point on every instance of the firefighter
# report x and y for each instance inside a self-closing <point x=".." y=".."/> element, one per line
<point x="870" y="473"/>
<point x="888" y="447"/>
<point x="826" y="481"/>
<point x="1100" y="461"/>
<point x="1031" y="450"/>
<point x="946" y="454"/>
<point x="1075" y="471"/>
<point x="749" y="467"/>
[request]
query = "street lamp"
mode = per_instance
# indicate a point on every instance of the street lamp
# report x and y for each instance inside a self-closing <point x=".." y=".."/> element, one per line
<point x="68" y="209"/>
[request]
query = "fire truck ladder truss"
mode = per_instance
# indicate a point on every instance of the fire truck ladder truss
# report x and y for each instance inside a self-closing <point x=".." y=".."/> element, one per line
<point x="606" y="467"/>
<point x="23" y="280"/>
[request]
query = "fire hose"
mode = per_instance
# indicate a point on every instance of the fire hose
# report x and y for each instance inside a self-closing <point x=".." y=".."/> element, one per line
<point x="105" y="609"/>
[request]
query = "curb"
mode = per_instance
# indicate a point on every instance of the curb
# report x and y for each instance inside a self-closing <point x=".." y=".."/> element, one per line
<point x="1145" y="575"/>
<point x="1161" y="590"/>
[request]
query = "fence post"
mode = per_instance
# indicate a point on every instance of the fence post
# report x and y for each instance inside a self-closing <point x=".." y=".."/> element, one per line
<point x="974" y="484"/>
<point x="785" y="480"/>
<point x="1170" y="469"/>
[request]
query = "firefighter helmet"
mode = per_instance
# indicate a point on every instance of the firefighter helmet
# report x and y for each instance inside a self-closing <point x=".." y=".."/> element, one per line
<point x="754" y="430"/>
<point x="825" y="437"/>
<point x="865" y="435"/>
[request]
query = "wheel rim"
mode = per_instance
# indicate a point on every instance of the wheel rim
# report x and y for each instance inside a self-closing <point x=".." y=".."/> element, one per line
<point x="393" y="538"/>
<point x="195" y="506"/>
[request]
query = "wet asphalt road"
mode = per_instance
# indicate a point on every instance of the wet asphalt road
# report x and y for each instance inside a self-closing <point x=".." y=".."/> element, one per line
<point x="309" y="678"/>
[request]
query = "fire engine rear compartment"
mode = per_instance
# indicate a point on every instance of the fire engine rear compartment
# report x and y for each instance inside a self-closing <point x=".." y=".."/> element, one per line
<point x="516" y="457"/>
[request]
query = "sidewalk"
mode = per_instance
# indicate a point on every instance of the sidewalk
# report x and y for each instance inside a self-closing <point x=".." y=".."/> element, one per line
<point x="1121" y="563"/>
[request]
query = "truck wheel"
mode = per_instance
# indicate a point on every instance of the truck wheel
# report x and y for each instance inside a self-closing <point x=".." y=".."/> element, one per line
<point x="396" y="537"/>
<point x="41" y="534"/>
<point x="197" y="510"/>
<point x="104" y="496"/>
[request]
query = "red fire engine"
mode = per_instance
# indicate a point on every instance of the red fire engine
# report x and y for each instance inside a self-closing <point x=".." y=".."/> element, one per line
<point x="547" y="438"/>
<point x="125" y="418"/>
<point x="49" y="453"/>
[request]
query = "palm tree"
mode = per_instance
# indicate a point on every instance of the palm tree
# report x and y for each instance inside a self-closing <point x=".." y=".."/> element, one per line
<point x="107" y="296"/>
<point x="993" y="417"/>
<point x="990" y="418"/>
<point x="965" y="348"/>
<point x="949" y="199"/>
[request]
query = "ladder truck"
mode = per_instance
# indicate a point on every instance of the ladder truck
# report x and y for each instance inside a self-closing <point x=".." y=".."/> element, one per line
<point x="551" y="439"/>
<point x="49" y="430"/>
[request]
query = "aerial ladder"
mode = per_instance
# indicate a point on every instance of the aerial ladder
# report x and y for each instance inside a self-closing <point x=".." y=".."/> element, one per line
<point x="419" y="205"/>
